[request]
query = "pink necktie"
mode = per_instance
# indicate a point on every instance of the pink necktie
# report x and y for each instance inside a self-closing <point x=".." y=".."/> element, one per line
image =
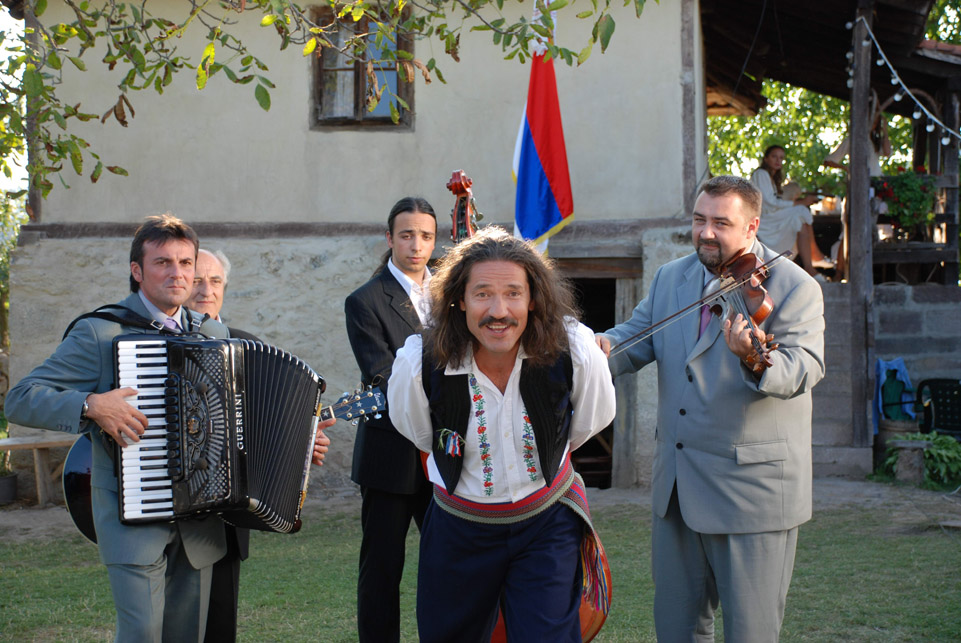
<point x="705" y="319"/>
<point x="172" y="324"/>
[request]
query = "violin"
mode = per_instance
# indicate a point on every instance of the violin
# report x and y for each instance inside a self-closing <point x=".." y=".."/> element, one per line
<point x="738" y="291"/>
<point x="464" y="215"/>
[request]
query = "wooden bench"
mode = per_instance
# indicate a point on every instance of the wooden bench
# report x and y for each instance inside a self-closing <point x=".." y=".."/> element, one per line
<point x="41" y="444"/>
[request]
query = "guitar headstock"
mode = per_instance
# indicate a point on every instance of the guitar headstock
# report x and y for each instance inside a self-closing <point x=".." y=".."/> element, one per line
<point x="353" y="406"/>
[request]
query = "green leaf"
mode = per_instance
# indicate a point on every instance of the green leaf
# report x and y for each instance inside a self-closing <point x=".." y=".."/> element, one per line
<point x="557" y="4"/>
<point x="266" y="21"/>
<point x="32" y="81"/>
<point x="394" y="114"/>
<point x="605" y="29"/>
<point x="76" y="159"/>
<point x="61" y="121"/>
<point x="263" y="97"/>
<point x="639" y="7"/>
<point x="136" y="57"/>
<point x="116" y="169"/>
<point x="540" y="30"/>
<point x="77" y="63"/>
<point x="39" y="8"/>
<point x="310" y="46"/>
<point x="95" y="175"/>
<point x="585" y="14"/>
<point x="54" y="60"/>
<point x="585" y="53"/>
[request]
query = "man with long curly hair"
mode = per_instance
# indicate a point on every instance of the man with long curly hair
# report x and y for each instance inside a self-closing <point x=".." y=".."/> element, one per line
<point x="501" y="387"/>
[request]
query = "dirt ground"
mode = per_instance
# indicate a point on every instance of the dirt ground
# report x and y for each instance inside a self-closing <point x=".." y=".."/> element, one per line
<point x="904" y="503"/>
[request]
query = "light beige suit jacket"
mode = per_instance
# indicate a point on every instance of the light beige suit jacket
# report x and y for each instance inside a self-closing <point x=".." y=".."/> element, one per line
<point x="738" y="450"/>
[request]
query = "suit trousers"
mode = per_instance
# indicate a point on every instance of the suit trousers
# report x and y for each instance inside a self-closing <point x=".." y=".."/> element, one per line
<point x="163" y="602"/>
<point x="530" y="568"/>
<point x="224" y="593"/>
<point x="748" y="573"/>
<point x="385" y="520"/>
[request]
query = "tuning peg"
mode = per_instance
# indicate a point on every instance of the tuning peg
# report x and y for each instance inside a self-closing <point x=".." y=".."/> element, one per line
<point x="377" y="417"/>
<point x="354" y="423"/>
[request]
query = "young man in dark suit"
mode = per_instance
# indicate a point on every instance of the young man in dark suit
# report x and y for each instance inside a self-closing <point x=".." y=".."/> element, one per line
<point x="380" y="316"/>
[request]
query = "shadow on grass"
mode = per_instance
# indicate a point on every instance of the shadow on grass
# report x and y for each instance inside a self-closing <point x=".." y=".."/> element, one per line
<point x="862" y="574"/>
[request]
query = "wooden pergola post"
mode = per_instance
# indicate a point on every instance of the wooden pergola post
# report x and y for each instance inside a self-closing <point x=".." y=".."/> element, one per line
<point x="860" y="230"/>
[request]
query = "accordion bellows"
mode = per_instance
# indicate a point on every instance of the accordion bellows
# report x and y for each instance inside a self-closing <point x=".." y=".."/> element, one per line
<point x="231" y="431"/>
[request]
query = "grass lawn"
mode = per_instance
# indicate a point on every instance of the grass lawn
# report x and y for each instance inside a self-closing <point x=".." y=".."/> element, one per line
<point x="860" y="575"/>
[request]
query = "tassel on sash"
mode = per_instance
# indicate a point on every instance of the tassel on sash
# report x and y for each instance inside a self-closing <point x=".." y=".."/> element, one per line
<point x="596" y="590"/>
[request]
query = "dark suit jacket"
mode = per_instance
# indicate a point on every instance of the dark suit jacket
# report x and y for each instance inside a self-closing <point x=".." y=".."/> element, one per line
<point x="380" y="317"/>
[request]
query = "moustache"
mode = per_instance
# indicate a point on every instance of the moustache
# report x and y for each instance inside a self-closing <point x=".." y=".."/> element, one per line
<point x="510" y="321"/>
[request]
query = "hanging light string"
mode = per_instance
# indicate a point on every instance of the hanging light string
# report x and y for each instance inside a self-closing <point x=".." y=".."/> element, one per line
<point x="946" y="132"/>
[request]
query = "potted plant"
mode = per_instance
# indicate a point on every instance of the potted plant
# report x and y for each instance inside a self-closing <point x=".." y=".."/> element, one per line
<point x="910" y="199"/>
<point x="8" y="477"/>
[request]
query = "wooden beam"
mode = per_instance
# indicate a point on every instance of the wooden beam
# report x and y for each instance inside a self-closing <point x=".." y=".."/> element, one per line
<point x="860" y="230"/>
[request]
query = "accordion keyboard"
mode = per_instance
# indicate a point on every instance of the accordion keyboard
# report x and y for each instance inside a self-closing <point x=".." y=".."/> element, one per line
<point x="149" y="465"/>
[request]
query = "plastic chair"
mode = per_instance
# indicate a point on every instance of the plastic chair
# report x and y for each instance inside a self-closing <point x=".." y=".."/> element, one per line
<point x="939" y="401"/>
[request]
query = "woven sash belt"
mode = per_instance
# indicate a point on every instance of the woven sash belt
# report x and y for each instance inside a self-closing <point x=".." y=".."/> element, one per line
<point x="568" y="489"/>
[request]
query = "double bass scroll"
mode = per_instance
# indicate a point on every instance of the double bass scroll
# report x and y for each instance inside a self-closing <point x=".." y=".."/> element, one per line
<point x="464" y="215"/>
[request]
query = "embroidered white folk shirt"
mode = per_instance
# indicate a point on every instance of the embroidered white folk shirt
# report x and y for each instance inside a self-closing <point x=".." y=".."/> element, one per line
<point x="501" y="462"/>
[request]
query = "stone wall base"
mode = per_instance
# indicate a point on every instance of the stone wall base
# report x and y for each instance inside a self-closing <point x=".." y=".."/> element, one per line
<point x="848" y="462"/>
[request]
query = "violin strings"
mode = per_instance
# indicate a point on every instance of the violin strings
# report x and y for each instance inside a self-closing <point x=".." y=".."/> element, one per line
<point x="664" y="323"/>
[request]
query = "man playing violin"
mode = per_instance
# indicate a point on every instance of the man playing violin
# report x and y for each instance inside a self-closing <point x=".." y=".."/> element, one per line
<point x="732" y="456"/>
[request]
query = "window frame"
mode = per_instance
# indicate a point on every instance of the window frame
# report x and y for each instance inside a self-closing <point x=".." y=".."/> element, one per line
<point x="360" y="119"/>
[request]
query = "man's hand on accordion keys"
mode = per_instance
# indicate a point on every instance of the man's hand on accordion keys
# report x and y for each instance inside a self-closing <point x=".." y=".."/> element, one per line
<point x="116" y="416"/>
<point x="321" y="441"/>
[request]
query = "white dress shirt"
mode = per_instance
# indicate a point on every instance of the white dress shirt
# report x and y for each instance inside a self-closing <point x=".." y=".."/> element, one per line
<point x="419" y="293"/>
<point x="160" y="315"/>
<point x="506" y="474"/>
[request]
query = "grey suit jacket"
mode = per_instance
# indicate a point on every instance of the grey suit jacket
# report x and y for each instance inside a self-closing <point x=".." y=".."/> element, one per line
<point x="379" y="318"/>
<point x="51" y="397"/>
<point x="738" y="450"/>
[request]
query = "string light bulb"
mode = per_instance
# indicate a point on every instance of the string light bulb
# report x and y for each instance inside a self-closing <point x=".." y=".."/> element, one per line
<point x="917" y="113"/>
<point x="850" y="83"/>
<point x="848" y="25"/>
<point x="880" y="62"/>
<point x="929" y="126"/>
<point x="898" y="96"/>
<point x="945" y="139"/>
<point x="894" y="79"/>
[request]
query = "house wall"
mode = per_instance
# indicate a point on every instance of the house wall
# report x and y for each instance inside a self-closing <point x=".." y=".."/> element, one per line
<point x="921" y="324"/>
<point x="215" y="155"/>
<point x="300" y="212"/>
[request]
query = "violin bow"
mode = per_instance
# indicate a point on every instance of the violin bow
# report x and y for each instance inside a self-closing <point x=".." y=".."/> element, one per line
<point x="684" y="312"/>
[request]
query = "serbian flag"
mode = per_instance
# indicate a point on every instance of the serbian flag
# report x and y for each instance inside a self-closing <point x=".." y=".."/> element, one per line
<point x="544" y="203"/>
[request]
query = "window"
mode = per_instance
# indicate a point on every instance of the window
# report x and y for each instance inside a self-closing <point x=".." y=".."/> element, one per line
<point x="341" y="85"/>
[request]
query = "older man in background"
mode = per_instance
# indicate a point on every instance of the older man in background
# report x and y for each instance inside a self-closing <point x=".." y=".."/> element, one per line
<point x="207" y="298"/>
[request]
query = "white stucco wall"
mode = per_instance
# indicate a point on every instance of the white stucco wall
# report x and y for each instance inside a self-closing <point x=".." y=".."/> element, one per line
<point x="214" y="155"/>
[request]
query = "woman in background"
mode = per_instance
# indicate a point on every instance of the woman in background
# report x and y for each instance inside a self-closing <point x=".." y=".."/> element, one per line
<point x="785" y="223"/>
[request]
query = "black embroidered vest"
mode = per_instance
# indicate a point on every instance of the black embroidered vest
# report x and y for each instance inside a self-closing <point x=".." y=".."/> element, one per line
<point x="546" y="392"/>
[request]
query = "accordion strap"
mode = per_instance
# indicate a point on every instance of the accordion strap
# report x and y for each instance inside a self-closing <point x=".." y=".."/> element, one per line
<point x="126" y="317"/>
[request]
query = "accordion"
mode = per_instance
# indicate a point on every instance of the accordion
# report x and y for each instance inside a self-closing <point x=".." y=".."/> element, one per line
<point x="231" y="431"/>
